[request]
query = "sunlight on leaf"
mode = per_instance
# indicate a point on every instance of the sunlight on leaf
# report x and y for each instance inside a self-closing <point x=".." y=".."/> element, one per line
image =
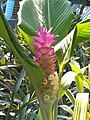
<point x="79" y="82"/>
<point x="47" y="13"/>
<point x="82" y="99"/>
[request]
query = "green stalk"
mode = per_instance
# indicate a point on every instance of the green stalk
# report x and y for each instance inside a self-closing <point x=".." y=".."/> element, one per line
<point x="43" y="112"/>
<point x="55" y="105"/>
<point x="49" y="113"/>
<point x="54" y="110"/>
<point x="46" y="110"/>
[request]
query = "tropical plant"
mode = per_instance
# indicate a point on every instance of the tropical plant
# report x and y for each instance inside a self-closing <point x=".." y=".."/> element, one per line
<point x="79" y="112"/>
<point x="37" y="19"/>
<point x="81" y="84"/>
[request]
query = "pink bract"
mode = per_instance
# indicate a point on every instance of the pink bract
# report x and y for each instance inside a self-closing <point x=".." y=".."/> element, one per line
<point x="44" y="53"/>
<point x="44" y="38"/>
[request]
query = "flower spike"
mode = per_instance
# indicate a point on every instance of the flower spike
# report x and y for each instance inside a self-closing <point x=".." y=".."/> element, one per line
<point x="44" y="53"/>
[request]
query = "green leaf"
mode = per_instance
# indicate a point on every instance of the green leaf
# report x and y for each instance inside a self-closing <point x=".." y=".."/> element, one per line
<point x="70" y="96"/>
<point x="66" y="108"/>
<point x="87" y="78"/>
<point x="84" y="69"/>
<point x="79" y="82"/>
<point x="64" y="47"/>
<point x="24" y="106"/>
<point x="35" y="73"/>
<point x="83" y="31"/>
<point x="7" y="34"/>
<point x="39" y="115"/>
<point x="87" y="83"/>
<point x="81" y="105"/>
<point x="27" y="39"/>
<point x="23" y="111"/>
<point x="75" y="67"/>
<point x="66" y="81"/>
<point x="79" y="34"/>
<point x="19" y="81"/>
<point x="3" y="32"/>
<point x="54" y="14"/>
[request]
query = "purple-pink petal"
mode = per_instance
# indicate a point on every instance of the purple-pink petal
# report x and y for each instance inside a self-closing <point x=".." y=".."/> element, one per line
<point x="44" y="53"/>
<point x="39" y="39"/>
<point x="37" y="45"/>
<point x="44" y="37"/>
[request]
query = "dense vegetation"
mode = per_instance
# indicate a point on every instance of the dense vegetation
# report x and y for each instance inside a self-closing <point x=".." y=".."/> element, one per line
<point x="24" y="93"/>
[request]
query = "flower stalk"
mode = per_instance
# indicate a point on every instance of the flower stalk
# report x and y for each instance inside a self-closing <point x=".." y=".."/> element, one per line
<point x="45" y="58"/>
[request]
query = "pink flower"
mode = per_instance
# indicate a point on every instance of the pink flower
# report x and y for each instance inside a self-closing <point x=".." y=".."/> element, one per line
<point x="44" y="38"/>
<point x="44" y="53"/>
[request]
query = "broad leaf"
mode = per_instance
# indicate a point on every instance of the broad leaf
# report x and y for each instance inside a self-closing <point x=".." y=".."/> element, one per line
<point x="83" y="31"/>
<point x="55" y="14"/>
<point x="82" y="99"/>
<point x="64" y="47"/>
<point x="79" y="82"/>
<point x="66" y="82"/>
<point x="79" y="34"/>
<point x="35" y="73"/>
<point x="75" y="67"/>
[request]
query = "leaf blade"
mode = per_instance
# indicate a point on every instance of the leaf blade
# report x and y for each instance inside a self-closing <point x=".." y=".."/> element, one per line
<point x="44" y="13"/>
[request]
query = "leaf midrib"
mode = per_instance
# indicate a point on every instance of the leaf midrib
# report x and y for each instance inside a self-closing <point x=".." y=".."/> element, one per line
<point x="49" y="23"/>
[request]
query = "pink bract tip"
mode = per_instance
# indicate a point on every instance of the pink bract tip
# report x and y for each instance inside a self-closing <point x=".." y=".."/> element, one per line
<point x="44" y="38"/>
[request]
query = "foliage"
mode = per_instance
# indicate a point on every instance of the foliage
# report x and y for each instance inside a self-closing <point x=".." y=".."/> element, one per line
<point x="81" y="83"/>
<point x="82" y="99"/>
<point x="79" y="112"/>
<point x="28" y="78"/>
<point x="49" y="14"/>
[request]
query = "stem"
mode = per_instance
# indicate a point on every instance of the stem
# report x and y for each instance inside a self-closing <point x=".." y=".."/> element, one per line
<point x="43" y="112"/>
<point x="49" y="112"/>
<point x="46" y="109"/>
<point x="54" y="110"/>
<point x="44" y="115"/>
